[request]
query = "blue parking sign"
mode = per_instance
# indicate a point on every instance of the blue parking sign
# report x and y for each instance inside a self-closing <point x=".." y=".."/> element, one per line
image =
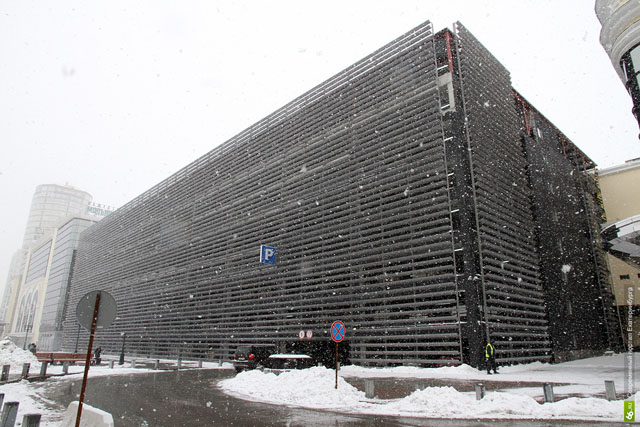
<point x="267" y="254"/>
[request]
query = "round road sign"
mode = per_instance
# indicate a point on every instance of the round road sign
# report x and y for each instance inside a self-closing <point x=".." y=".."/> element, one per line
<point x="106" y="312"/>
<point x="301" y="334"/>
<point x="309" y="334"/>
<point x="338" y="331"/>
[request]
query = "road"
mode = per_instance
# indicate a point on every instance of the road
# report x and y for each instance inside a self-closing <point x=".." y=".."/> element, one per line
<point x="191" y="398"/>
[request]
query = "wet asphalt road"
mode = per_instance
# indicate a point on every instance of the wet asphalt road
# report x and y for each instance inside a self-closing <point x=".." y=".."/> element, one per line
<point x="192" y="398"/>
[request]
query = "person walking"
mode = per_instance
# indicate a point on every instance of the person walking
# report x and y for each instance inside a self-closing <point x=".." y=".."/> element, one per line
<point x="96" y="355"/>
<point x="490" y="358"/>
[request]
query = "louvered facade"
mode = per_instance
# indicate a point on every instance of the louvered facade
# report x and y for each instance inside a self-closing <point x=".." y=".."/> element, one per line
<point x="397" y="196"/>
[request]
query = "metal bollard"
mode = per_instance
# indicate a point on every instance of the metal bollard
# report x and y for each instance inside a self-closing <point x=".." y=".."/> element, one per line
<point x="480" y="391"/>
<point x="65" y="368"/>
<point x="220" y="362"/>
<point x="25" y="370"/>
<point x="5" y="372"/>
<point x="369" y="389"/>
<point x="179" y="363"/>
<point x="133" y="363"/>
<point x="548" y="392"/>
<point x="31" y="420"/>
<point x="199" y="363"/>
<point x="43" y="369"/>
<point x="110" y="364"/>
<point x="610" y="388"/>
<point x="9" y="414"/>
<point x="156" y="365"/>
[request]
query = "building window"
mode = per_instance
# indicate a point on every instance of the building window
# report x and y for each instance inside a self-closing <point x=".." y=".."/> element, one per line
<point x="625" y="277"/>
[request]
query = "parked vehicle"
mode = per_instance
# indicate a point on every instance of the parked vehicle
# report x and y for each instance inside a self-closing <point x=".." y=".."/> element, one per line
<point x="252" y="356"/>
<point x="289" y="361"/>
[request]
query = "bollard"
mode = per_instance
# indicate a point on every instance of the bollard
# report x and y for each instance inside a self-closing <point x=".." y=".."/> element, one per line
<point x="199" y="363"/>
<point x="31" y="420"/>
<point x="9" y="414"/>
<point x="43" y="369"/>
<point x="610" y="388"/>
<point x="548" y="392"/>
<point x="369" y="389"/>
<point x="65" y="368"/>
<point x="220" y="362"/>
<point x="480" y="391"/>
<point x="5" y="372"/>
<point x="179" y="363"/>
<point x="110" y="364"/>
<point x="133" y="363"/>
<point x="156" y="365"/>
<point x="25" y="370"/>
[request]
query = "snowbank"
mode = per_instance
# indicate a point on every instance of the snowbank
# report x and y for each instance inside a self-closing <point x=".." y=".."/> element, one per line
<point x="315" y="388"/>
<point x="10" y="354"/>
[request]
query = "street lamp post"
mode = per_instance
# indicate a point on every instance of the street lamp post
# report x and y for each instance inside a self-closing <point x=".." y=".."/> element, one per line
<point x="124" y="337"/>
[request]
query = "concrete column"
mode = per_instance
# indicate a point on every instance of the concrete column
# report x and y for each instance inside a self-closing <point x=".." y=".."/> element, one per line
<point x="43" y="369"/>
<point x="369" y="389"/>
<point x="9" y="414"/>
<point x="610" y="388"/>
<point x="25" y="370"/>
<point x="548" y="392"/>
<point x="480" y="391"/>
<point x="31" y="420"/>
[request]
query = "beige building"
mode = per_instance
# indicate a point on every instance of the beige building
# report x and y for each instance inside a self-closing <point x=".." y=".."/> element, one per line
<point x="621" y="198"/>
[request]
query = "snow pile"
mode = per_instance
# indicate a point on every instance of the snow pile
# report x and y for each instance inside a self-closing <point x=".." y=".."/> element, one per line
<point x="315" y="388"/>
<point x="10" y="354"/>
<point x="311" y="388"/>
<point x="460" y="371"/>
<point x="447" y="402"/>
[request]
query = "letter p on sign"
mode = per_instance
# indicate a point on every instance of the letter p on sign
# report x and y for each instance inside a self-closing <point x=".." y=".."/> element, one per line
<point x="267" y="254"/>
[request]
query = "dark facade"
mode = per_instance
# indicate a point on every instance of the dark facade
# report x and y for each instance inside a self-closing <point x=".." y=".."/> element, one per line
<point x="399" y="197"/>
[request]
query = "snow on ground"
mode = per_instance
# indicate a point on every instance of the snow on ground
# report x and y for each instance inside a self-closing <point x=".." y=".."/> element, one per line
<point x="12" y="355"/>
<point x="315" y="388"/>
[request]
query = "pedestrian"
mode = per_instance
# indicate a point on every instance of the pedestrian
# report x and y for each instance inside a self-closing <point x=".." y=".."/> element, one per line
<point x="96" y="355"/>
<point x="490" y="358"/>
<point x="32" y="348"/>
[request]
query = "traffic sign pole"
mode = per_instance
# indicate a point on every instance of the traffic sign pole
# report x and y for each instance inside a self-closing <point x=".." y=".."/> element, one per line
<point x="338" y="331"/>
<point x="87" y="362"/>
<point x="336" y="365"/>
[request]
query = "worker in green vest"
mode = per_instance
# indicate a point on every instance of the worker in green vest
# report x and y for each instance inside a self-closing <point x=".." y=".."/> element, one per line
<point x="490" y="358"/>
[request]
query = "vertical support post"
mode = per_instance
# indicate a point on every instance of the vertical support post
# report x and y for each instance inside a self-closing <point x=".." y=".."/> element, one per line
<point x="548" y="392"/>
<point x="43" y="369"/>
<point x="87" y="363"/>
<point x="369" y="389"/>
<point x="480" y="391"/>
<point x="9" y="414"/>
<point x="31" y="420"/>
<point x="5" y="372"/>
<point x="610" y="388"/>
<point x="25" y="370"/>
<point x="336" y="365"/>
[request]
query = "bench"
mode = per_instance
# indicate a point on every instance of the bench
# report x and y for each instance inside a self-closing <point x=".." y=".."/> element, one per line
<point x="60" y="358"/>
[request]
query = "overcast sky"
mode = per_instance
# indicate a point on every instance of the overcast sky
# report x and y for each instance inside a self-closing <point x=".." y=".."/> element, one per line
<point x="114" y="96"/>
